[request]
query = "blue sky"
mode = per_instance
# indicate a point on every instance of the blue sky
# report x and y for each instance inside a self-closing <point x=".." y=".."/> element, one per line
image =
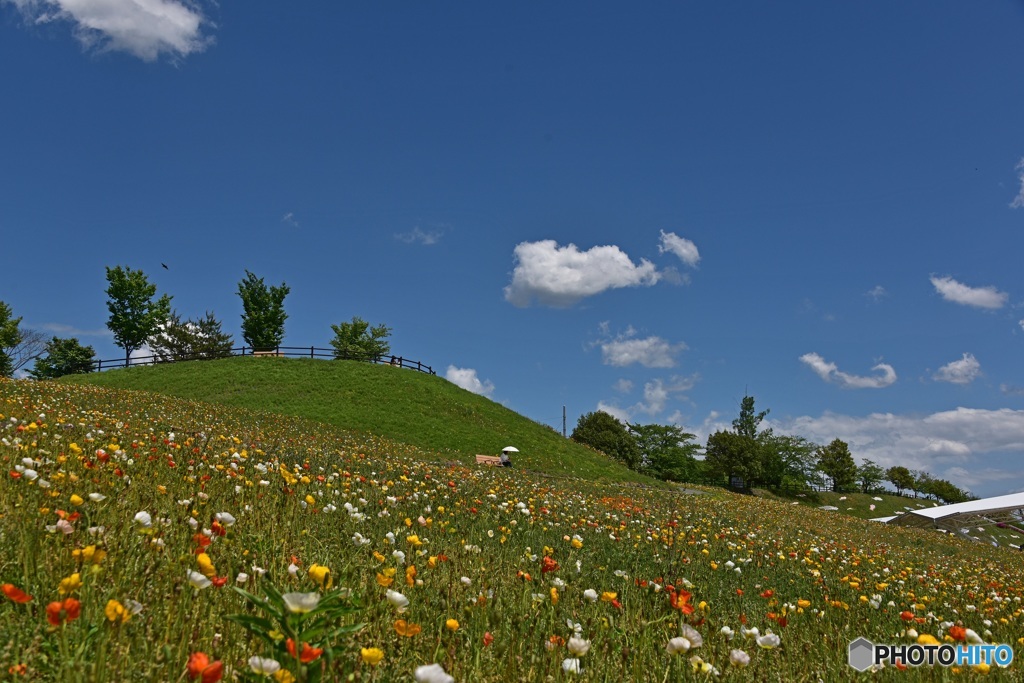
<point x="648" y="210"/>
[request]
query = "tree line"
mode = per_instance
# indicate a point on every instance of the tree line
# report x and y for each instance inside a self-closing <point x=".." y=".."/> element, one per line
<point x="139" y="317"/>
<point x="747" y="456"/>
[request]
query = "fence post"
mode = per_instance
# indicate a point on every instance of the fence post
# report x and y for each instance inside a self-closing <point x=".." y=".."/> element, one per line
<point x="311" y="352"/>
<point x="419" y="366"/>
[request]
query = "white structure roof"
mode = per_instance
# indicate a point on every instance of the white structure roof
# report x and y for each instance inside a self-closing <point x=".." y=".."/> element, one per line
<point x="1005" y="511"/>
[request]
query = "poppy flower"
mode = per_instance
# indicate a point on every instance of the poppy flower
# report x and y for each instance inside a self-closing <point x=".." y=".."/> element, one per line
<point x="451" y="625"/>
<point x="488" y="638"/>
<point x="407" y="629"/>
<point x="321" y="575"/>
<point x="306" y="654"/>
<point x="548" y="565"/>
<point x="200" y="666"/>
<point x="66" y="610"/>
<point x="300" y="603"/>
<point x="371" y="655"/>
<point x="16" y="594"/>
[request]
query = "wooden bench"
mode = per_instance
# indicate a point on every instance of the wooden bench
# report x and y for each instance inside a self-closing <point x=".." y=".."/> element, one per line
<point x="266" y="353"/>
<point x="492" y="460"/>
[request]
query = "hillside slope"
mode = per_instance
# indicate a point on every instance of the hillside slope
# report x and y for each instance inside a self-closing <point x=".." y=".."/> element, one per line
<point x="407" y="406"/>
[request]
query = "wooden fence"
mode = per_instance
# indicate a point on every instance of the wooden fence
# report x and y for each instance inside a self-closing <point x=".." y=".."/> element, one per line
<point x="285" y="351"/>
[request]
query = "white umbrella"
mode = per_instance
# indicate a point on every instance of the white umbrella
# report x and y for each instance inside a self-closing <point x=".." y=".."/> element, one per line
<point x="509" y="449"/>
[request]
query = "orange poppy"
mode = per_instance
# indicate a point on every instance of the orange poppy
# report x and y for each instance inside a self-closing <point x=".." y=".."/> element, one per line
<point x="406" y="628"/>
<point x="548" y="565"/>
<point x="200" y="666"/>
<point x="66" y="610"/>
<point x="15" y="593"/>
<point x="307" y="654"/>
<point x="958" y="633"/>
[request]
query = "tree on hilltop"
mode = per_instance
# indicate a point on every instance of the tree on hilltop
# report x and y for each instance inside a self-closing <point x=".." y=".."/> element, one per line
<point x="900" y="477"/>
<point x="202" y="338"/>
<point x="263" y="317"/>
<point x="836" y="462"/>
<point x="666" y="451"/>
<point x="356" y="340"/>
<point x="134" y="312"/>
<point x="63" y="357"/>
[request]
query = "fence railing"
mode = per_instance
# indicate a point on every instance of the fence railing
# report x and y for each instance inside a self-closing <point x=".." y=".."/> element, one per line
<point x="284" y="351"/>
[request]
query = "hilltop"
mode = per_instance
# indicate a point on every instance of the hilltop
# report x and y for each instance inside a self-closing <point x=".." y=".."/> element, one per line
<point x="410" y="407"/>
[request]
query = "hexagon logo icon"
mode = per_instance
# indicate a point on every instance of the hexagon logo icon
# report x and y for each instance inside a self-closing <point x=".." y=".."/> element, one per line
<point x="861" y="655"/>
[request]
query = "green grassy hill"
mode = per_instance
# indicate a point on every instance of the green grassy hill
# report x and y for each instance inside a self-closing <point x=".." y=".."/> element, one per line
<point x="402" y="405"/>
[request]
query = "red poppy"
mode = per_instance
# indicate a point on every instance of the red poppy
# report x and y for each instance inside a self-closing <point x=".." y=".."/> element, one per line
<point x="906" y="615"/>
<point x="958" y="633"/>
<point x="307" y="655"/>
<point x="680" y="600"/>
<point x="200" y="666"/>
<point x="59" y="612"/>
<point x="15" y="593"/>
<point x="768" y="593"/>
<point x="488" y="639"/>
<point x="548" y="565"/>
<point x="219" y="581"/>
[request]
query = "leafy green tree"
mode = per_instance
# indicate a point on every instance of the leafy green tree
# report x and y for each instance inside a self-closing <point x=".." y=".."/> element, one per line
<point x="263" y="317"/>
<point x="10" y="337"/>
<point x="835" y="461"/>
<point x="922" y="482"/>
<point x="134" y="313"/>
<point x="729" y="455"/>
<point x="666" y="451"/>
<point x="202" y="338"/>
<point x="63" y="357"/>
<point x="786" y="460"/>
<point x="356" y="340"/>
<point x="900" y="477"/>
<point x="870" y="476"/>
<point x="749" y="420"/>
<point x="741" y="452"/>
<point x="601" y="431"/>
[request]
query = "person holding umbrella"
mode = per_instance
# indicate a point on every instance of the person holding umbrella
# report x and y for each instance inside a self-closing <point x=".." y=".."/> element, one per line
<point x="505" y="461"/>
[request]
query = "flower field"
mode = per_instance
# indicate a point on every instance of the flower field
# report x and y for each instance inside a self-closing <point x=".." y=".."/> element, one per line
<point x="151" y="538"/>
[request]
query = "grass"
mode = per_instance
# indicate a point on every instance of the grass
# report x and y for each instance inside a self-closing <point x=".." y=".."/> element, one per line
<point x="501" y="569"/>
<point x="407" y="406"/>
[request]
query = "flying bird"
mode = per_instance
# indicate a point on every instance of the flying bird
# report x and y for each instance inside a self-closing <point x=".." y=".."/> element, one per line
<point x="165" y="266"/>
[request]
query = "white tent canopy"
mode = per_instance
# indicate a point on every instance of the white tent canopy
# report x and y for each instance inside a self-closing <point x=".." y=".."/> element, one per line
<point x="1000" y="511"/>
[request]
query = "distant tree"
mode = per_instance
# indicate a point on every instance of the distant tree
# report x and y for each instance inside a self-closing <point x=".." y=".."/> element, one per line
<point x="31" y="346"/>
<point x="134" y="313"/>
<point x="729" y="454"/>
<point x="900" y="477"/>
<point x="202" y="338"/>
<point x="870" y="476"/>
<point x="263" y="317"/>
<point x="786" y="460"/>
<point x="603" y="432"/>
<point x="747" y="423"/>
<point x="63" y="357"/>
<point x="741" y="452"/>
<point x="835" y="461"/>
<point x="10" y="337"/>
<point x="356" y="340"/>
<point x="947" y="492"/>
<point x="922" y="483"/>
<point x="666" y="451"/>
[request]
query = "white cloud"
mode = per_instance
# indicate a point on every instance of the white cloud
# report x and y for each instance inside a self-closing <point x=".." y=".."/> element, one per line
<point x="681" y="247"/>
<point x="651" y="352"/>
<point x="624" y="386"/>
<point x="957" y="292"/>
<point x="831" y="373"/>
<point x="467" y="379"/>
<point x="1018" y="201"/>
<point x="618" y="413"/>
<point x="72" y="331"/>
<point x="418" y="236"/>
<point x="657" y="394"/>
<point x="877" y="292"/>
<point x="147" y="29"/>
<point x="289" y="219"/>
<point x="964" y="437"/>
<point x="561" y="276"/>
<point x="963" y="371"/>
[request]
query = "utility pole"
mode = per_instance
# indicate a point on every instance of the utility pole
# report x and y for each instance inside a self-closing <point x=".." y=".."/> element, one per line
<point x="563" y="422"/>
